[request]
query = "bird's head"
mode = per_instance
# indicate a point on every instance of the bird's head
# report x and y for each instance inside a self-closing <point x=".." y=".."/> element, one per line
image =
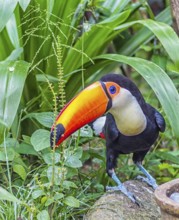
<point x="88" y="105"/>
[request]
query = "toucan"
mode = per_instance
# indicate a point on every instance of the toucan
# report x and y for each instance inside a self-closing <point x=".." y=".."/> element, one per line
<point x="116" y="109"/>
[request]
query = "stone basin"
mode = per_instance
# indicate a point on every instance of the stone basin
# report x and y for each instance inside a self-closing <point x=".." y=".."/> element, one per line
<point x="163" y="196"/>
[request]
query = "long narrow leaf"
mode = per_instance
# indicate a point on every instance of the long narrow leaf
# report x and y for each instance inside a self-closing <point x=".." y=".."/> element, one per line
<point x="12" y="78"/>
<point x="160" y="83"/>
<point x="5" y="195"/>
<point x="164" y="33"/>
<point x="6" y="9"/>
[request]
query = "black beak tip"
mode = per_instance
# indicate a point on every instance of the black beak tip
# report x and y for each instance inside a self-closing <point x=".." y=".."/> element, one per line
<point x="56" y="134"/>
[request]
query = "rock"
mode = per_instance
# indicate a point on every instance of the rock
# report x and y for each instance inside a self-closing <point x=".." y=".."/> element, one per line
<point x="116" y="206"/>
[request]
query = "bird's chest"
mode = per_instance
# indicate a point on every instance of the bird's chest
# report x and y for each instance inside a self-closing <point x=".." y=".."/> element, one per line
<point x="129" y="118"/>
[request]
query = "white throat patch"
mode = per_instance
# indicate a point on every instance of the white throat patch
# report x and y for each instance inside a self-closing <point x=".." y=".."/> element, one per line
<point x="128" y="115"/>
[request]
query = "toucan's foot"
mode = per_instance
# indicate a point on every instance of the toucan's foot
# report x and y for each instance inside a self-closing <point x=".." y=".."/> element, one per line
<point x="123" y="189"/>
<point x="148" y="179"/>
<point x="151" y="182"/>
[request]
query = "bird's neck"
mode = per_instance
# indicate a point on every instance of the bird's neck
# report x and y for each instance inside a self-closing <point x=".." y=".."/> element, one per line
<point x="129" y="117"/>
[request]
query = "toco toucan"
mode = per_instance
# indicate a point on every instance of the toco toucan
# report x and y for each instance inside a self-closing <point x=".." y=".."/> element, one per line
<point x="130" y="125"/>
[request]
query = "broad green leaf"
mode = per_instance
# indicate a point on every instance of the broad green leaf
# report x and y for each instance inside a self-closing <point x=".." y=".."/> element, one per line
<point x="10" y="142"/>
<point x="160" y="83"/>
<point x="24" y="4"/>
<point x="69" y="184"/>
<point x="20" y="170"/>
<point x="5" y="195"/>
<point x="9" y="154"/>
<point x="73" y="161"/>
<point x="50" y="5"/>
<point x="37" y="193"/>
<point x="43" y="215"/>
<point x="48" y="158"/>
<point x="72" y="202"/>
<point x="6" y="10"/>
<point x="44" y="118"/>
<point x="55" y="174"/>
<point x="15" y="54"/>
<point x="164" y="33"/>
<point x="12" y="78"/>
<point x="40" y="139"/>
<point x="49" y="201"/>
<point x="25" y="148"/>
<point x="12" y="31"/>
<point x="58" y="196"/>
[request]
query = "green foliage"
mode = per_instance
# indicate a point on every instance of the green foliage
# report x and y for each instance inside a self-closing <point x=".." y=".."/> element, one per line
<point x="64" y="45"/>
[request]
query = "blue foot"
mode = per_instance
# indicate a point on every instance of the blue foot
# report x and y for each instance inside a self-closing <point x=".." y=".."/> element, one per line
<point x="148" y="179"/>
<point x="122" y="189"/>
<point x="151" y="182"/>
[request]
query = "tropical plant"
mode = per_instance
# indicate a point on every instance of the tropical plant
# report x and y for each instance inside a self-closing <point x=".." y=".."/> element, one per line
<point x="49" y="51"/>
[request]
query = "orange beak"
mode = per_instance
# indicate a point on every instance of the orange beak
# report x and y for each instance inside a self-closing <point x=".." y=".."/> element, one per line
<point x="88" y="105"/>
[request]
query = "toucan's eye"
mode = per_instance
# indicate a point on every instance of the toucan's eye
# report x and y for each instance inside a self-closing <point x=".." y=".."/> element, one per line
<point x="112" y="89"/>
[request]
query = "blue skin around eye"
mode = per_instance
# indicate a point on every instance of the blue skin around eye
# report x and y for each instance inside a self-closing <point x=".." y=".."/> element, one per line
<point x="112" y="89"/>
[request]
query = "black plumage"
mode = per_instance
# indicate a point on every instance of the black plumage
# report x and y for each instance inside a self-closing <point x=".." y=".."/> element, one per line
<point x="139" y="145"/>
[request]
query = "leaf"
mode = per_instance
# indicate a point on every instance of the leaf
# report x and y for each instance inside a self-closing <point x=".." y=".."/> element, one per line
<point x="48" y="158"/>
<point x="159" y="81"/>
<point x="49" y="201"/>
<point x="19" y="169"/>
<point x="40" y="139"/>
<point x="72" y="202"/>
<point x="9" y="155"/>
<point x="167" y="156"/>
<point x="58" y="196"/>
<point x="25" y="148"/>
<point x="6" y="10"/>
<point x="12" y="78"/>
<point x="24" y="4"/>
<point x="15" y="54"/>
<point x="43" y="215"/>
<point x="144" y="35"/>
<point x="5" y="195"/>
<point x="69" y="184"/>
<point x="44" y="118"/>
<point x="58" y="175"/>
<point x="10" y="142"/>
<point x="37" y="193"/>
<point x="12" y="31"/>
<point x="164" y="33"/>
<point x="73" y="161"/>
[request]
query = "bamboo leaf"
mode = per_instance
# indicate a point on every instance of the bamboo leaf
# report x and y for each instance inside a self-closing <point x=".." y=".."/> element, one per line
<point x="164" y="33"/>
<point x="160" y="83"/>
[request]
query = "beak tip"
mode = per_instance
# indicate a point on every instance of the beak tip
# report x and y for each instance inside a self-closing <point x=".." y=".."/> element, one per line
<point x="56" y="134"/>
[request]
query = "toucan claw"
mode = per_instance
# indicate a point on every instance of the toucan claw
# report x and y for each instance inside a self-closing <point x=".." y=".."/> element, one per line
<point x="123" y="189"/>
<point x="150" y="182"/>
